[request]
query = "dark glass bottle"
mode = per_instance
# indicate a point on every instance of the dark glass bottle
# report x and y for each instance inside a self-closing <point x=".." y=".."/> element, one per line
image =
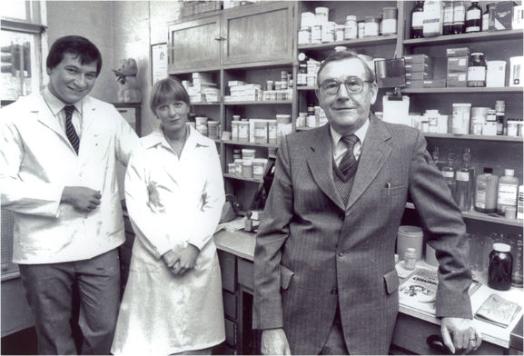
<point x="474" y="18"/>
<point x="500" y="267"/>
<point x="459" y="17"/>
<point x="448" y="18"/>
<point x="417" y="17"/>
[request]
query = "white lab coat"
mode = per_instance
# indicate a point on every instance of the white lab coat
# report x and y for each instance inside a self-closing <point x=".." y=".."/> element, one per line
<point x="37" y="161"/>
<point x="172" y="202"/>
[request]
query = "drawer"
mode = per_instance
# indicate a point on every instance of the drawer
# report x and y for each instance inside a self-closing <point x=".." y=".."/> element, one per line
<point x="245" y="273"/>
<point x="411" y="334"/>
<point x="228" y="271"/>
<point x="231" y="333"/>
<point x="230" y="305"/>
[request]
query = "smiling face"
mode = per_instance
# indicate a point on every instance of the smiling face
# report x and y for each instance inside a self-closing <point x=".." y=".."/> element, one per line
<point x="173" y="116"/>
<point x="70" y="80"/>
<point x="346" y="111"/>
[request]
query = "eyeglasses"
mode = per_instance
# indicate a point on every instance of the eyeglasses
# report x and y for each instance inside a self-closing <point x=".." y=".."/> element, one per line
<point x="354" y="85"/>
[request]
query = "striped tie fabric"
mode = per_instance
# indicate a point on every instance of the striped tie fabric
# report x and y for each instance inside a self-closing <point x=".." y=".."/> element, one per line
<point x="71" y="134"/>
<point x="348" y="162"/>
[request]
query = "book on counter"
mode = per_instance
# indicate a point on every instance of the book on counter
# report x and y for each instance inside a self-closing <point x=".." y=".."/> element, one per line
<point x="498" y="311"/>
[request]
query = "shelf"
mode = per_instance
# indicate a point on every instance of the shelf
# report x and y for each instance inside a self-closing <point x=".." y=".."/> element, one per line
<point x="259" y="102"/>
<point x="473" y="215"/>
<point x="463" y="90"/>
<point x="306" y="88"/>
<point x="475" y="137"/>
<point x="272" y="64"/>
<point x="252" y="144"/>
<point x="216" y="103"/>
<point x="466" y="37"/>
<point x="353" y="43"/>
<point x="194" y="70"/>
<point x="234" y="176"/>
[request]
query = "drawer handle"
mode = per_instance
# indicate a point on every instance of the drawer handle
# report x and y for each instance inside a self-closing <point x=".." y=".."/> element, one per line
<point x="436" y="344"/>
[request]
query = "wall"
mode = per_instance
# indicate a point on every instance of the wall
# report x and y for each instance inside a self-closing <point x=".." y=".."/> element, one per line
<point x="120" y="29"/>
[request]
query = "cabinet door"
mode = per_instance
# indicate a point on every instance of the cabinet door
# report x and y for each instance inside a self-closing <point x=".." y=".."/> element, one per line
<point x="258" y="34"/>
<point x="194" y="45"/>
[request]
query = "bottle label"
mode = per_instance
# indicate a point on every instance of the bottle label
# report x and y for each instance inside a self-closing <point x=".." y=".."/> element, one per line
<point x="473" y="14"/>
<point x="485" y="22"/>
<point x="477" y="73"/>
<point x="507" y="194"/>
<point x="417" y="19"/>
<point x="463" y="176"/>
<point x="448" y="174"/>
<point x="448" y="14"/>
<point x="459" y="12"/>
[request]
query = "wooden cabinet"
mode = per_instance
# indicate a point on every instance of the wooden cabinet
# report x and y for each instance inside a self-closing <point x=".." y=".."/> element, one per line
<point x="258" y="34"/>
<point x="194" y="45"/>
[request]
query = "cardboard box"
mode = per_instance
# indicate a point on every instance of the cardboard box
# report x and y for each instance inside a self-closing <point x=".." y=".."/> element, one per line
<point x="417" y="58"/>
<point x="457" y="52"/>
<point x="415" y="83"/>
<point x="457" y="64"/>
<point x="456" y="80"/>
<point x="418" y="75"/>
<point x="417" y="67"/>
<point x="503" y="15"/>
<point x="434" y="83"/>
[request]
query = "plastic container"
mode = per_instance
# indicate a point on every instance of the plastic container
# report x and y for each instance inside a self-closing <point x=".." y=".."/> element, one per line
<point x="496" y="74"/>
<point x="243" y="131"/>
<point x="247" y="168"/>
<point x="389" y="21"/>
<point x="486" y="191"/>
<point x="350" y="28"/>
<point x="507" y="191"/>
<point x="410" y="258"/>
<point x="500" y="267"/>
<point x="259" y="165"/>
<point x="371" y="27"/>
<point x="248" y="154"/>
<point x="212" y="129"/>
<point x="409" y="237"/>
<point x="460" y="122"/>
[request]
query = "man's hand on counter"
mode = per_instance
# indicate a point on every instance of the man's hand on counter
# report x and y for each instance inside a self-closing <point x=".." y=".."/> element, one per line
<point x="460" y="334"/>
<point x="274" y="342"/>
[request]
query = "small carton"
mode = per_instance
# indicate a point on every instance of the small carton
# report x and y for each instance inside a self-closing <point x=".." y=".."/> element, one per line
<point x="417" y="58"/>
<point x="418" y="75"/>
<point x="457" y="52"/>
<point x="417" y="67"/>
<point x="457" y="64"/>
<point x="456" y="80"/>
<point x="503" y="15"/>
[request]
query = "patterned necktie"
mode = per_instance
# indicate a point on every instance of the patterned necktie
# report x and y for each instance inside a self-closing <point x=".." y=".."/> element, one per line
<point x="348" y="161"/>
<point x="71" y="134"/>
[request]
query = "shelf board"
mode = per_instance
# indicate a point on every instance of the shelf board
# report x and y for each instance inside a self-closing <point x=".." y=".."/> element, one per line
<point x="215" y="103"/>
<point x="234" y="176"/>
<point x="269" y="64"/>
<point x="475" y="137"/>
<point x="464" y="90"/>
<point x="469" y="37"/>
<point x="252" y="144"/>
<point x="473" y="215"/>
<point x="194" y="70"/>
<point x="259" y="102"/>
<point x="306" y="88"/>
<point x="370" y="41"/>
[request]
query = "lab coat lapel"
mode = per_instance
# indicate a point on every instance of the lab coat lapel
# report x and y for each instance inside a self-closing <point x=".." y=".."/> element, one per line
<point x="43" y="114"/>
<point x="319" y="160"/>
<point x="375" y="151"/>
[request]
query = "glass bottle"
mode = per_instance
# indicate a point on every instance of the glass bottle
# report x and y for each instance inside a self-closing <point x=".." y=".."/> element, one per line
<point x="448" y="172"/>
<point x="473" y="17"/>
<point x="476" y="70"/>
<point x="448" y="18"/>
<point x="488" y="17"/>
<point x="464" y="181"/>
<point x="459" y="17"/>
<point x="500" y="267"/>
<point x="507" y="192"/>
<point x="417" y="18"/>
<point x="500" y="108"/>
<point x="435" y="154"/>
<point x="486" y="191"/>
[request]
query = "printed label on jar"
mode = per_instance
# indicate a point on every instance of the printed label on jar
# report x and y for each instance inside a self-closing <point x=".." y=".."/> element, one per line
<point x="448" y="174"/>
<point x="476" y="73"/>
<point x="463" y="176"/>
<point x="480" y="202"/>
<point x="417" y="20"/>
<point x="507" y="194"/>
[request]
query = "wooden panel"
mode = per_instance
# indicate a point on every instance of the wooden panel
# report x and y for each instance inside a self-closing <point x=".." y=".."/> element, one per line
<point x="230" y="305"/>
<point x="228" y="270"/>
<point x="231" y="329"/>
<point x="194" y="44"/>
<point x="245" y="273"/>
<point x="16" y="314"/>
<point x="411" y="333"/>
<point x="260" y="33"/>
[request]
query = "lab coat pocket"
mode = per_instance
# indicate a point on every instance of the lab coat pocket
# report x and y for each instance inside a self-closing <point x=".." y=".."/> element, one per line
<point x="285" y="277"/>
<point x="391" y="281"/>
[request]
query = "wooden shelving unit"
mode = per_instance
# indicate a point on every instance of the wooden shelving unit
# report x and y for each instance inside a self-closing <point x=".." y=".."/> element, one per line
<point x="370" y="41"/>
<point x="465" y="37"/>
<point x="474" y="137"/>
<point x="259" y="102"/>
<point x="234" y="176"/>
<point x="468" y="90"/>
<point x="250" y="144"/>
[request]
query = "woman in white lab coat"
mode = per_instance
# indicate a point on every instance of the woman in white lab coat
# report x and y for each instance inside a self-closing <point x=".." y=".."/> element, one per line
<point x="174" y="195"/>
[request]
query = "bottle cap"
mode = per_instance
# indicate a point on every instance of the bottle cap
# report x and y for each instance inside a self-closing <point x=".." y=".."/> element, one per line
<point x="501" y="247"/>
<point x="509" y="172"/>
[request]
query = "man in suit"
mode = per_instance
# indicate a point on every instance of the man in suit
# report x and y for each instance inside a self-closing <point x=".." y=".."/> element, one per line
<point x="57" y="174"/>
<point x="325" y="278"/>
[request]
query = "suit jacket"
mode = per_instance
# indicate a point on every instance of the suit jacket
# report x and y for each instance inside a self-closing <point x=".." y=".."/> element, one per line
<point x="37" y="161"/>
<point x="313" y="252"/>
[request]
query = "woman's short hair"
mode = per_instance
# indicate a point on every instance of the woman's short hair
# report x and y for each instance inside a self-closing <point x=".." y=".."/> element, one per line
<point x="75" y="45"/>
<point x="167" y="90"/>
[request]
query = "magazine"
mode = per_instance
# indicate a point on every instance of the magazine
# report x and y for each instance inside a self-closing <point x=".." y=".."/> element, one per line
<point x="498" y="311"/>
<point x="419" y="291"/>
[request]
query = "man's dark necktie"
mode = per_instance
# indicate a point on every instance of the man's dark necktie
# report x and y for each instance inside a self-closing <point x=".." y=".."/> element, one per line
<point x="71" y="134"/>
<point x="348" y="162"/>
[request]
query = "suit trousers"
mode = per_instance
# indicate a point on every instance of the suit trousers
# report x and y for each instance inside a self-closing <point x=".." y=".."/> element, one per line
<point x="50" y="289"/>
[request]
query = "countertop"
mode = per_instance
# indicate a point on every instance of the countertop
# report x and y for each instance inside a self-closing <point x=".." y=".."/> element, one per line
<point x="242" y="244"/>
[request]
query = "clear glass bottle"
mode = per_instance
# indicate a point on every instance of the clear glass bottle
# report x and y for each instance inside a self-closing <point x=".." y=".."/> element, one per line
<point x="507" y="191"/>
<point x="448" y="172"/>
<point x="464" y="180"/>
<point x="417" y="18"/>
<point x="473" y="18"/>
<point x="459" y="17"/>
<point x="448" y="18"/>
<point x="500" y="108"/>
<point x="486" y="191"/>
<point x="488" y="18"/>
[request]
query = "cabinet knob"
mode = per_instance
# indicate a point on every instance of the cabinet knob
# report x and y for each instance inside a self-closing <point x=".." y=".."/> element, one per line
<point x="220" y="38"/>
<point x="436" y="344"/>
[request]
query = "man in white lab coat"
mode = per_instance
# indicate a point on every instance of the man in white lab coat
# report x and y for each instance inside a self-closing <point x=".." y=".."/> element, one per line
<point x="57" y="174"/>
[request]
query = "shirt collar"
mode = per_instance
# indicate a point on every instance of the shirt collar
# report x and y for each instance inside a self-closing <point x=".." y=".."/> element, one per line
<point x="194" y="139"/>
<point x="360" y="133"/>
<point x="56" y="105"/>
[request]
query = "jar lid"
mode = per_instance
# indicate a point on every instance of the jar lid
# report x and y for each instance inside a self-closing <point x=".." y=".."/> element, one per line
<point x="410" y="231"/>
<point x="477" y="54"/>
<point x="501" y="247"/>
<point x="509" y="172"/>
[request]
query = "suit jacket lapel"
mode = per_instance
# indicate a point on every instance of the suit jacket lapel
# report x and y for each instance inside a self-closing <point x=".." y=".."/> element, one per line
<point x="375" y="151"/>
<point x="320" y="163"/>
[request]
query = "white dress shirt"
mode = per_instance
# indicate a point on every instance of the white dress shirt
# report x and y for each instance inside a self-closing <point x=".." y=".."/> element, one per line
<point x="340" y="148"/>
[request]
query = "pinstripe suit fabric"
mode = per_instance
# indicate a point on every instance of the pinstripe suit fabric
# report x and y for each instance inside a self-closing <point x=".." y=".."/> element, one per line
<point x="313" y="251"/>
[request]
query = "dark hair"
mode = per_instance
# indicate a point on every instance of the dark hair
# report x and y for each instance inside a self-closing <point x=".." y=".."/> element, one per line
<point x="166" y="90"/>
<point x="75" y="45"/>
<point x="366" y="61"/>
